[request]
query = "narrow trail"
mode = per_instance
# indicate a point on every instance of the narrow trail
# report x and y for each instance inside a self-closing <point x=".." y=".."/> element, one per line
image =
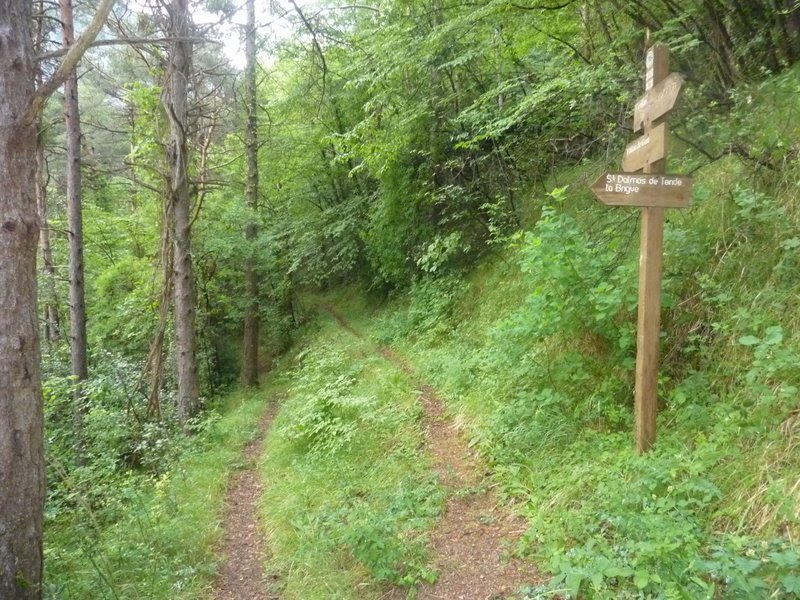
<point x="471" y="542"/>
<point x="241" y="575"/>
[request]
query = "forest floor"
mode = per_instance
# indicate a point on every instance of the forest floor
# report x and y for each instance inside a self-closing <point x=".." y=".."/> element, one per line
<point x="244" y="550"/>
<point x="471" y="546"/>
<point x="472" y="543"/>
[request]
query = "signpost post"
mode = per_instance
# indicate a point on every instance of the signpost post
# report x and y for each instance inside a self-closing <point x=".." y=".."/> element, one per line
<point x="654" y="191"/>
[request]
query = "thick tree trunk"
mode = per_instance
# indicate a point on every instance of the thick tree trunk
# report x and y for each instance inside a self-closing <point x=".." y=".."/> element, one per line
<point x="77" y="298"/>
<point x="249" y="372"/>
<point x="21" y="451"/>
<point x="180" y="211"/>
<point x="722" y="43"/>
<point x="21" y="416"/>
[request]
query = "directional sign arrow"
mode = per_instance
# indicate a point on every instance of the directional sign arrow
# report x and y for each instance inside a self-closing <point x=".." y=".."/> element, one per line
<point x="643" y="189"/>
<point x="658" y="101"/>
<point x="649" y="148"/>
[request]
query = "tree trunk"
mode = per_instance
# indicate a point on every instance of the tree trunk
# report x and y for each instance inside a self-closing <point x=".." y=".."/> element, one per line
<point x="249" y="373"/>
<point x="722" y="43"/>
<point x="21" y="448"/>
<point x="786" y="22"/>
<point x="77" y="298"/>
<point x="21" y="416"/>
<point x="155" y="359"/>
<point x="180" y="211"/>
<point x="52" y="322"/>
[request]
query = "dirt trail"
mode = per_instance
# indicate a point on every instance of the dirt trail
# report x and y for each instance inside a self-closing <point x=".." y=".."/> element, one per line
<point x="471" y="542"/>
<point x="241" y="575"/>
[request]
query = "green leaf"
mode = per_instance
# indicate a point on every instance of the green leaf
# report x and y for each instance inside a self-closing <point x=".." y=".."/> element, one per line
<point x="597" y="580"/>
<point x="790" y="244"/>
<point x="618" y="572"/>
<point x="774" y="335"/>
<point x="573" y="583"/>
<point x="641" y="579"/>
<point x="749" y="340"/>
<point x="791" y="584"/>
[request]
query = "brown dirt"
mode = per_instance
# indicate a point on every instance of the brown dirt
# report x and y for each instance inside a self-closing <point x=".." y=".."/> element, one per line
<point x="242" y="574"/>
<point x="472" y="542"/>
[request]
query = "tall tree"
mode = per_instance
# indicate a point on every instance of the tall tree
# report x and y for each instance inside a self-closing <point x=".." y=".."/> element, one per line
<point x="77" y="298"/>
<point x="21" y="418"/>
<point x="52" y="324"/>
<point x="179" y="208"/>
<point x="21" y="453"/>
<point x="249" y="372"/>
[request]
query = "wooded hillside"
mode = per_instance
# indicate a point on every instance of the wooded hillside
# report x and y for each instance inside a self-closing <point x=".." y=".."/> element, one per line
<point x="209" y="174"/>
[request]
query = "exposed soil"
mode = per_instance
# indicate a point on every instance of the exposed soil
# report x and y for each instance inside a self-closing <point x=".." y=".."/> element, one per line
<point x="471" y="544"/>
<point x="241" y="575"/>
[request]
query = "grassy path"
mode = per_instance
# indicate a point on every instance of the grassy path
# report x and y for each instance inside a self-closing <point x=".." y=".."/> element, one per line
<point x="470" y="544"/>
<point x="241" y="575"/>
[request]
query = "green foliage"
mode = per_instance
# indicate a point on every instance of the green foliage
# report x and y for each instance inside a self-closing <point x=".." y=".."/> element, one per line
<point x="431" y="304"/>
<point x="350" y="499"/>
<point x="398" y="148"/>
<point x="149" y="535"/>
<point x="537" y="357"/>
<point x="328" y="417"/>
<point x="115" y="443"/>
<point x="123" y="308"/>
<point x="583" y="282"/>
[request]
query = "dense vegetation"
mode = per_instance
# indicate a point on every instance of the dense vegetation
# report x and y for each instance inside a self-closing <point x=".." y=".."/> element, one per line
<point x="424" y="165"/>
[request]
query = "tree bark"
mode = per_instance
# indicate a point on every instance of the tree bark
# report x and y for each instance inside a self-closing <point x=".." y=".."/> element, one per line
<point x="21" y="416"/>
<point x="722" y="43"/>
<point x="77" y="298"/>
<point x="249" y="372"/>
<point x="21" y="446"/>
<point x="179" y="204"/>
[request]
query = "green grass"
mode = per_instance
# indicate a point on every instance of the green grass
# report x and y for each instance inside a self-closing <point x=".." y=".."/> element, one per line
<point x="163" y="545"/>
<point x="349" y="498"/>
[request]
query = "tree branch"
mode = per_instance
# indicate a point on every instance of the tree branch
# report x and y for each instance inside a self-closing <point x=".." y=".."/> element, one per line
<point x="124" y="41"/>
<point x="556" y="7"/>
<point x="70" y="61"/>
<point x="317" y="47"/>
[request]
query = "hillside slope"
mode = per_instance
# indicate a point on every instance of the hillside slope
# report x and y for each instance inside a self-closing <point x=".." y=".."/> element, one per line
<point x="533" y="353"/>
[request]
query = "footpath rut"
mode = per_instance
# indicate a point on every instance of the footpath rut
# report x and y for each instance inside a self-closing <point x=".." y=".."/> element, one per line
<point x="241" y="575"/>
<point x="470" y="545"/>
<point x="472" y="540"/>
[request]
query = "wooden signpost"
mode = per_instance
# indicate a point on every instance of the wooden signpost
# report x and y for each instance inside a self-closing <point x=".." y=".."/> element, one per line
<point x="633" y="189"/>
<point x="643" y="183"/>
<point x="658" y="101"/>
<point x="646" y="150"/>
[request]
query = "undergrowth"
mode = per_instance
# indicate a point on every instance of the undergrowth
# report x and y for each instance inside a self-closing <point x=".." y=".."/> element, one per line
<point x="114" y="534"/>
<point x="349" y="499"/>
<point x="536" y="351"/>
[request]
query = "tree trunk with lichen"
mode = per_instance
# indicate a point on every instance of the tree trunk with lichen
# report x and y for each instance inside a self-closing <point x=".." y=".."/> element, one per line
<point x="21" y="416"/>
<point x="179" y="210"/>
